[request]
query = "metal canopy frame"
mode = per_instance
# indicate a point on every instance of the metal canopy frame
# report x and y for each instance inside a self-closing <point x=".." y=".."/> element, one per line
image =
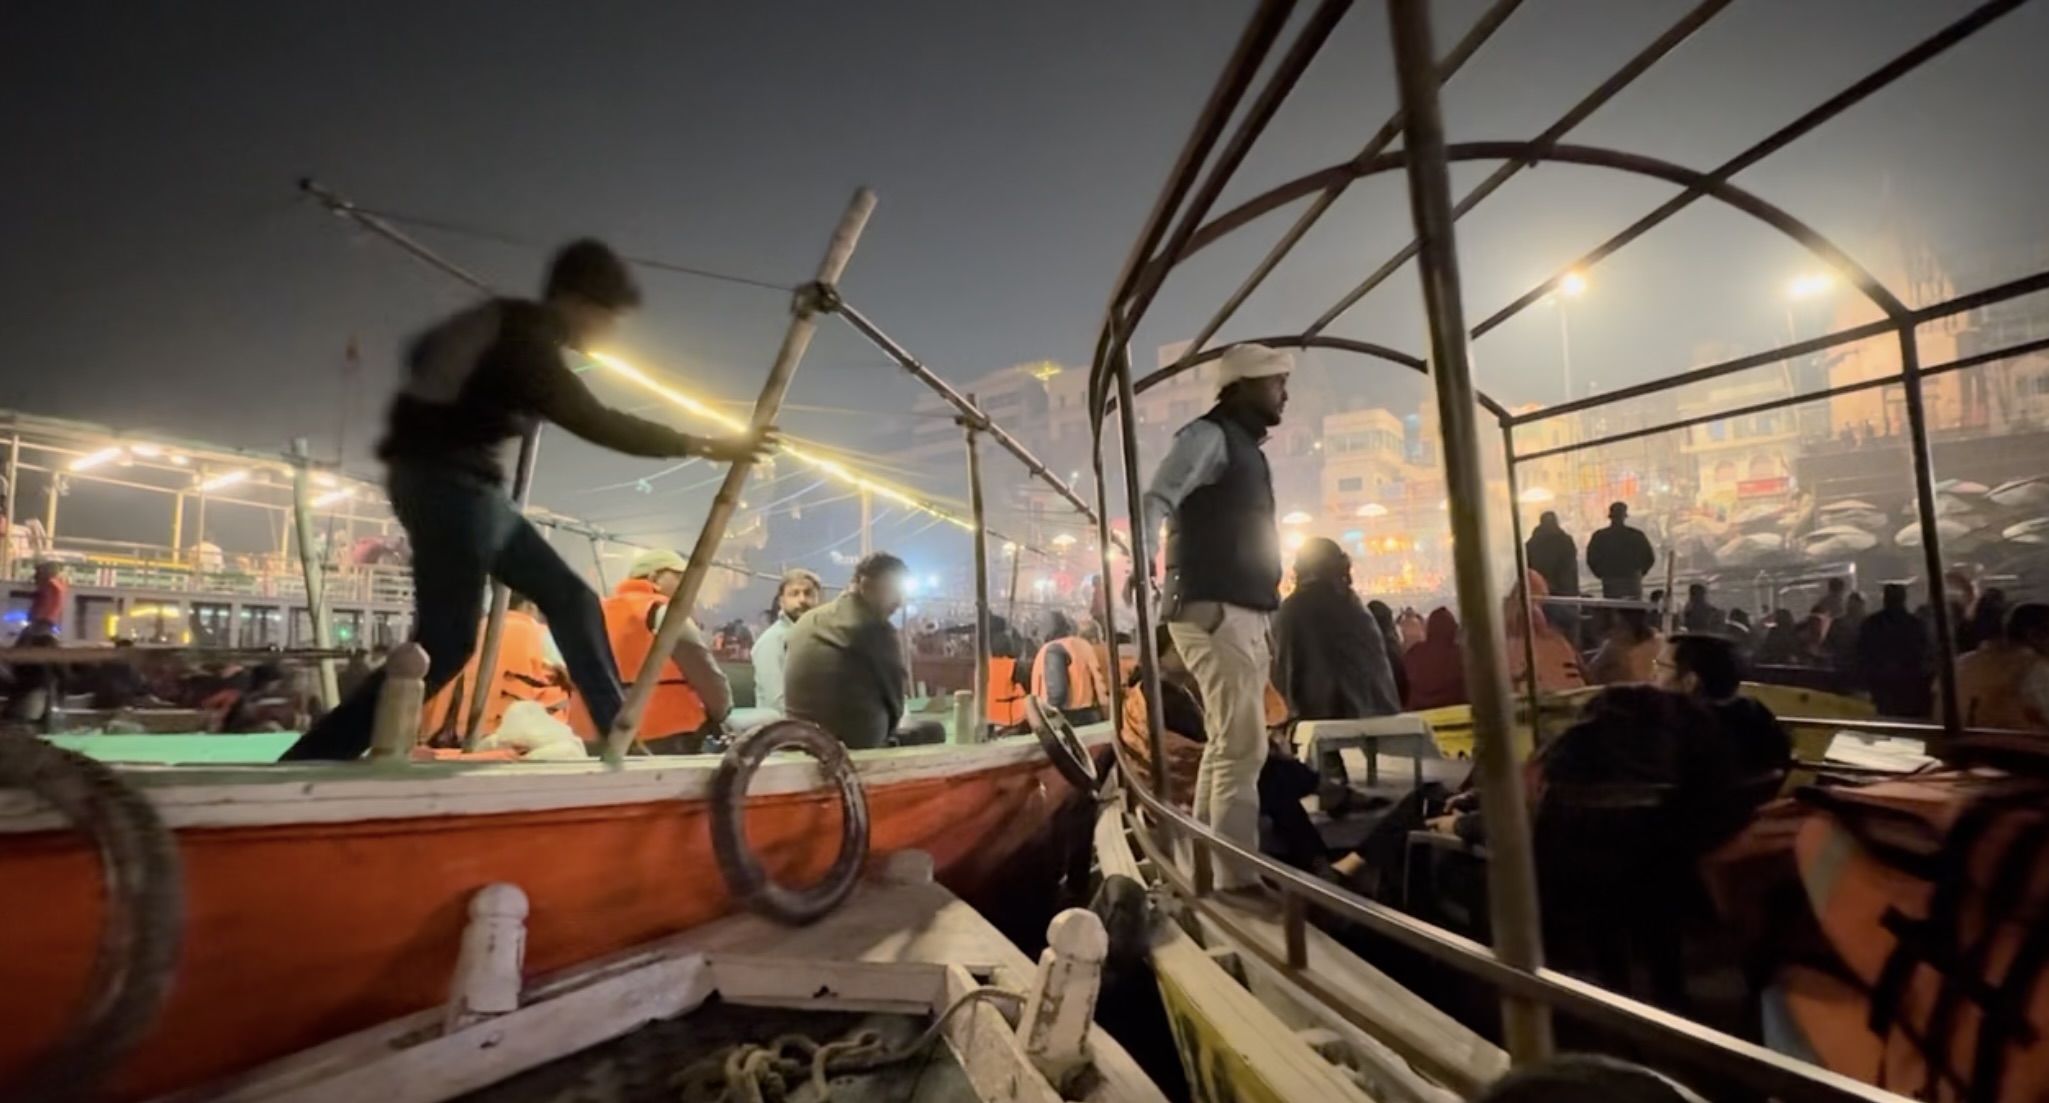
<point x="1180" y="225"/>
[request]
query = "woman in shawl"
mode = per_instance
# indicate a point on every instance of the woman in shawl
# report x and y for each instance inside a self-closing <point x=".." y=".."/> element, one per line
<point x="1330" y="656"/>
<point x="1437" y="671"/>
<point x="1558" y="666"/>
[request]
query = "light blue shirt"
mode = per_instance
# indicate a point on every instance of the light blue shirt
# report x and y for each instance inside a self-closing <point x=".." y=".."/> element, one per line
<point x="771" y="649"/>
<point x="1197" y="459"/>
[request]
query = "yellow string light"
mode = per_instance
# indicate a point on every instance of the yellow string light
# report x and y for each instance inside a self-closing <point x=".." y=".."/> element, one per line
<point x="832" y="468"/>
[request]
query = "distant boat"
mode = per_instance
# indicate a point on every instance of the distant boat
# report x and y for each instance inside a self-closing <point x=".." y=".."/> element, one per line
<point x="1836" y="542"/>
<point x="2021" y="492"/>
<point x="1961" y="486"/>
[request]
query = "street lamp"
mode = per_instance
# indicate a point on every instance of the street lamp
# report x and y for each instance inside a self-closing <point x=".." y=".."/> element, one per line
<point x="1296" y="518"/>
<point x="1570" y="286"/>
<point x="1573" y="285"/>
<point x="1808" y="286"/>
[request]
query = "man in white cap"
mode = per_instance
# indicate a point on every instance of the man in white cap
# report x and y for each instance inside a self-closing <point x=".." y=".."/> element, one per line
<point x="1214" y="495"/>
<point x="692" y="696"/>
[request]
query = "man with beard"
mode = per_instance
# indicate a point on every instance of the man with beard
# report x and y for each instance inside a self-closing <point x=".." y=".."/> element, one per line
<point x="1214" y="496"/>
<point x="797" y="595"/>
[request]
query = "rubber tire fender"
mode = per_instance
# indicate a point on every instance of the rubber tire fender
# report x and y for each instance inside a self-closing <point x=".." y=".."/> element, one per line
<point x="746" y="878"/>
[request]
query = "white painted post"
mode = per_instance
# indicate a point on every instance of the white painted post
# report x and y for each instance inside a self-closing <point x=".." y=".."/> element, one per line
<point x="1054" y="1029"/>
<point x="396" y="730"/>
<point x="488" y="972"/>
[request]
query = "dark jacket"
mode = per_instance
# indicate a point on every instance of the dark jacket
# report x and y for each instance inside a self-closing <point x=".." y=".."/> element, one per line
<point x="1554" y="555"/>
<point x="481" y="378"/>
<point x="1222" y="544"/>
<point x="845" y="672"/>
<point x="1620" y="556"/>
<point x="1330" y="660"/>
<point x="1893" y="662"/>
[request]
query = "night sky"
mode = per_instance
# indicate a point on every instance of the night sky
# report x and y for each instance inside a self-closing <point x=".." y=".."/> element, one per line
<point x="160" y="269"/>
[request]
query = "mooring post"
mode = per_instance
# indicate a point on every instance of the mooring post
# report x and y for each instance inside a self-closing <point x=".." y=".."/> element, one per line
<point x="490" y="967"/>
<point x="396" y="730"/>
<point x="1054" y="1028"/>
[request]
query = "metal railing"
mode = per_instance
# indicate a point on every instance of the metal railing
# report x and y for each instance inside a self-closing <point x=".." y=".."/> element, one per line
<point x="1755" y="1066"/>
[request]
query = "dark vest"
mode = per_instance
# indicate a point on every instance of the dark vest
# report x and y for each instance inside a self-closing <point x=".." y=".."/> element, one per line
<point x="1221" y="543"/>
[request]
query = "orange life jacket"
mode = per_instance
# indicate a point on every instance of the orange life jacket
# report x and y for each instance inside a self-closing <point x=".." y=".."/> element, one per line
<point x="523" y="674"/>
<point x="675" y="708"/>
<point x="1006" y="700"/>
<point x="1990" y="689"/>
<point x="1933" y="895"/>
<point x="1084" y="674"/>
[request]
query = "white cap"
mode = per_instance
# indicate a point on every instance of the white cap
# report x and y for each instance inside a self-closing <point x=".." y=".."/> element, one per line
<point x="1252" y="362"/>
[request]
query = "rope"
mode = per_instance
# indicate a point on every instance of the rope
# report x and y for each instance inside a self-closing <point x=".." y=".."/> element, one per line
<point x="749" y="1073"/>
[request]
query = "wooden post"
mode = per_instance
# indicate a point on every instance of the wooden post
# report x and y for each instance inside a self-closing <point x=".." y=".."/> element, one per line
<point x="981" y="541"/>
<point x="310" y="568"/>
<point x="501" y="600"/>
<point x="1053" y="1030"/>
<point x="396" y="730"/>
<point x="676" y="613"/>
<point x="178" y="529"/>
<point x="489" y="969"/>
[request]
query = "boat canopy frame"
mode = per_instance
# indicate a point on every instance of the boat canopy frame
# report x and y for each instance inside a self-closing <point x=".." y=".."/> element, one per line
<point x="1180" y="225"/>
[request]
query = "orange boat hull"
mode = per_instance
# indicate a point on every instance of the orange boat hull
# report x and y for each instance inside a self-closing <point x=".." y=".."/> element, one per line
<point x="300" y="933"/>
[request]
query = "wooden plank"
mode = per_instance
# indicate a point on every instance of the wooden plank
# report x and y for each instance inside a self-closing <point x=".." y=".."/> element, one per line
<point x="1233" y="1046"/>
<point x="443" y="1067"/>
<point x="987" y="1048"/>
<point x="900" y="988"/>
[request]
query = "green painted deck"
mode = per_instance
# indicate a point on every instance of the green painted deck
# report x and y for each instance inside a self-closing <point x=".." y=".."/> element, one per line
<point x="189" y="748"/>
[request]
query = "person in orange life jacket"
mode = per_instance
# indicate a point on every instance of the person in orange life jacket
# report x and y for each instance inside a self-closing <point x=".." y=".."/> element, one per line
<point x="46" y="608"/>
<point x="1068" y="674"/>
<point x="693" y="697"/>
<point x="796" y="595"/>
<point x="529" y="669"/>
<point x="2004" y="682"/>
<point x="1213" y="494"/>
<point x="472" y="384"/>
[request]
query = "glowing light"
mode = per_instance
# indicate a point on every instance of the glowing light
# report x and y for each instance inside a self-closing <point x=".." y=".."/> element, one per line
<point x="1296" y="518"/>
<point x="910" y="585"/>
<point x="932" y="580"/>
<point x="1535" y="496"/>
<point x="182" y="461"/>
<point x="1009" y="548"/>
<point x="1294" y="541"/>
<point x="146" y="451"/>
<point x="837" y="470"/>
<point x="1808" y="286"/>
<point x="333" y="496"/>
<point x="1064" y="541"/>
<point x="1372" y="509"/>
<point x="96" y="459"/>
<point x="222" y="481"/>
<point x="1573" y="285"/>
<point x="326" y="480"/>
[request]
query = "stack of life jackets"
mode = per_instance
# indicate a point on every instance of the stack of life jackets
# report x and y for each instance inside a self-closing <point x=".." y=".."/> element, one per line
<point x="1923" y="906"/>
<point x="675" y="708"/>
<point x="523" y="674"/>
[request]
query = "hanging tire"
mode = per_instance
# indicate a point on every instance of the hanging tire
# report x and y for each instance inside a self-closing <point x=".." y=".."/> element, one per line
<point x="1057" y="736"/>
<point x="746" y="878"/>
<point x="144" y="926"/>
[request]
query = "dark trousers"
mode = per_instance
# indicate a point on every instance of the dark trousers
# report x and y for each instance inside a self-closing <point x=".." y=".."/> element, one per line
<point x="464" y="534"/>
<point x="1283" y="785"/>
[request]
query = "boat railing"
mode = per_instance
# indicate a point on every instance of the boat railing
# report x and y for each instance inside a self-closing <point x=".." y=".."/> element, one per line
<point x="1781" y="1077"/>
<point x="128" y="566"/>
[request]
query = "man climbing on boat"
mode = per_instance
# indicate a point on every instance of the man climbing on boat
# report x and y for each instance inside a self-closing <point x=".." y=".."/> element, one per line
<point x="1214" y="496"/>
<point x="473" y="383"/>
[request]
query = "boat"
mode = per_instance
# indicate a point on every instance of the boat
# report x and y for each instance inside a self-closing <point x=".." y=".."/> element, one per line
<point x="203" y="920"/>
<point x="1277" y="47"/>
<point x="904" y="991"/>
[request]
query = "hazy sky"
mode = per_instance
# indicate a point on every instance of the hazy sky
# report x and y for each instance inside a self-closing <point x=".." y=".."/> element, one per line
<point x="159" y="268"/>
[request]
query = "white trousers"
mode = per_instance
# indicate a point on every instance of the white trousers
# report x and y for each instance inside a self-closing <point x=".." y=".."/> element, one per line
<point x="1225" y="647"/>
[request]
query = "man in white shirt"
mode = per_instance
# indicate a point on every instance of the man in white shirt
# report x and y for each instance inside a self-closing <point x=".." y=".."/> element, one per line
<point x="797" y="595"/>
<point x="1214" y="495"/>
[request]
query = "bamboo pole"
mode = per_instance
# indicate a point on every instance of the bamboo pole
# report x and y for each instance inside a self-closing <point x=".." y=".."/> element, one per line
<point x="309" y="565"/>
<point x="981" y="541"/>
<point x="803" y="323"/>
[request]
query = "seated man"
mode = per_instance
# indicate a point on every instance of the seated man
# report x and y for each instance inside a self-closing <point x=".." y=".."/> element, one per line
<point x="845" y="670"/>
<point x="692" y="697"/>
<point x="796" y="595"/>
<point x="1708" y="668"/>
<point x="1068" y="673"/>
